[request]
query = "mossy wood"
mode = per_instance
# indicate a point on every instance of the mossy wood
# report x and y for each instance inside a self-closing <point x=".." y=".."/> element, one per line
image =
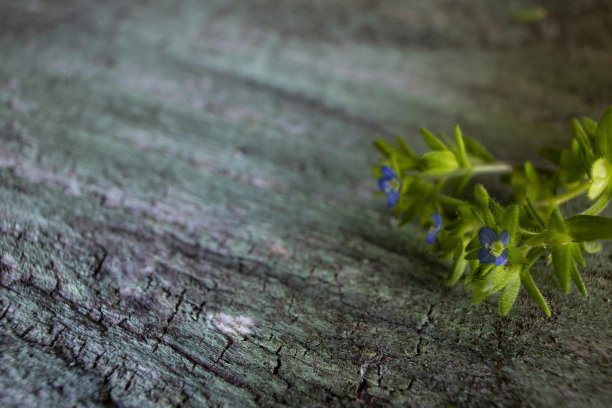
<point x="187" y="213"/>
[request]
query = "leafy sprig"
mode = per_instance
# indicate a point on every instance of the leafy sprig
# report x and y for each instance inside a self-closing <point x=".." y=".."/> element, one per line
<point x="494" y="246"/>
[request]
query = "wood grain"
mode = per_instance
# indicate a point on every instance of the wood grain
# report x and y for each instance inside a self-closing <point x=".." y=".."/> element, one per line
<point x="187" y="213"/>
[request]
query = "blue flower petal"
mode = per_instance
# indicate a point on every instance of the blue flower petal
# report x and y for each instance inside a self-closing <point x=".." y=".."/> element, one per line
<point x="392" y="198"/>
<point x="437" y="219"/>
<point x="504" y="237"/>
<point x="485" y="257"/>
<point x="487" y="236"/>
<point x="432" y="237"/>
<point x="502" y="258"/>
<point x="382" y="182"/>
<point x="388" y="172"/>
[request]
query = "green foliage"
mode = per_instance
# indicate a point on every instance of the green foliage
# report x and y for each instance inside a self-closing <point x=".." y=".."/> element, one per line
<point x="494" y="246"/>
<point x="530" y="15"/>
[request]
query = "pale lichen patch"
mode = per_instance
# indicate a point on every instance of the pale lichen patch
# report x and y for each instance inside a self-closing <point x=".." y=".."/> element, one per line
<point x="278" y="250"/>
<point x="113" y="197"/>
<point x="231" y="326"/>
<point x="9" y="270"/>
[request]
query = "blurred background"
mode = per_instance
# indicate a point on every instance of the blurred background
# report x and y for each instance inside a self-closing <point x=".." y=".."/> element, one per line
<point x="391" y="64"/>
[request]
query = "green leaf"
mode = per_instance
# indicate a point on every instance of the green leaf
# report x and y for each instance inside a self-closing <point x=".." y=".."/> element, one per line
<point x="452" y="202"/>
<point x="445" y="139"/>
<point x="601" y="176"/>
<point x="589" y="228"/>
<point x="476" y="149"/>
<point x="405" y="148"/>
<point x="579" y="259"/>
<point x="478" y="214"/>
<point x="510" y="220"/>
<point x="590" y="127"/>
<point x="457" y="270"/>
<point x="432" y="141"/>
<point x="531" y="173"/>
<point x="461" y="182"/>
<point x="577" y="279"/>
<point x="583" y="141"/>
<point x="552" y="238"/>
<point x="509" y="294"/>
<point x="472" y="255"/>
<point x="489" y="218"/>
<point x="572" y="170"/>
<point x="406" y="163"/>
<point x="479" y="296"/>
<point x="461" y="152"/>
<point x="533" y="212"/>
<point x="498" y="278"/>
<point x="591" y="247"/>
<point x="577" y="254"/>
<point x="533" y="291"/>
<point x="551" y="154"/>
<point x="556" y="221"/>
<point x="604" y="135"/>
<point x="438" y="163"/>
<point x="562" y="263"/>
<point x="533" y="255"/>
<point x="408" y="214"/>
<point x="384" y="147"/>
<point x="481" y="195"/>
<point x="496" y="210"/>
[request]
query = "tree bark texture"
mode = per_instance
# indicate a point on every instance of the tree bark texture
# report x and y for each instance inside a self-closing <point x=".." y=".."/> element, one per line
<point x="187" y="213"/>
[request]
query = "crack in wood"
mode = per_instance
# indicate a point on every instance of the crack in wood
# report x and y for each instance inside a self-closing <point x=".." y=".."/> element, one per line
<point x="229" y="344"/>
<point x="99" y="264"/>
<point x="5" y="312"/>
<point x="56" y="337"/>
<point x="129" y="382"/>
<point x="278" y="360"/>
<point x="420" y="327"/>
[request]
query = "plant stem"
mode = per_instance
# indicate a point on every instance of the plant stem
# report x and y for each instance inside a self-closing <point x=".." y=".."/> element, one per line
<point x="564" y="197"/>
<point x="527" y="232"/>
<point x="598" y="206"/>
<point x="493" y="168"/>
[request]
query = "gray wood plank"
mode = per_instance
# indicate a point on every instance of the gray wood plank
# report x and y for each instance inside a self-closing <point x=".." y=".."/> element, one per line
<point x="187" y="214"/>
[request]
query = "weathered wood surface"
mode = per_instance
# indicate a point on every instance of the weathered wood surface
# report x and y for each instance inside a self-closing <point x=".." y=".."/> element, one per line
<point x="187" y="215"/>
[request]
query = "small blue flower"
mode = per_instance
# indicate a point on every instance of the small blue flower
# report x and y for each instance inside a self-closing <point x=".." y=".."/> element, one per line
<point x="432" y="235"/>
<point x="389" y="184"/>
<point x="493" y="249"/>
